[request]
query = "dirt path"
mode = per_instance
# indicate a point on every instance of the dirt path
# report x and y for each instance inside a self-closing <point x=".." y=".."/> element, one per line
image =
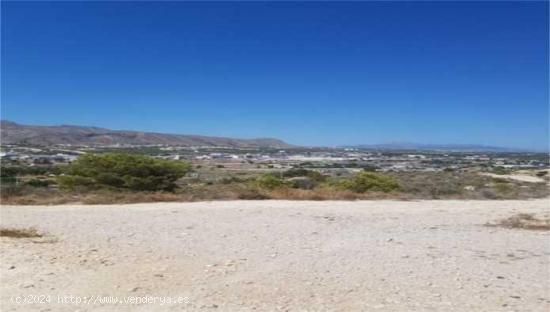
<point x="279" y="255"/>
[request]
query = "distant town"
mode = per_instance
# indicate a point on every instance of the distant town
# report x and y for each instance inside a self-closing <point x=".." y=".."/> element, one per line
<point x="325" y="160"/>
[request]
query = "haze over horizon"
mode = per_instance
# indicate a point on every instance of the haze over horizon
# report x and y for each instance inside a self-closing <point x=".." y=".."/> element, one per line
<point x="309" y="73"/>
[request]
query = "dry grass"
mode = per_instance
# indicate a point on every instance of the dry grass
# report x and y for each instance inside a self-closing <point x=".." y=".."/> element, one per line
<point x="330" y="194"/>
<point x="131" y="197"/>
<point x="26" y="195"/>
<point x="94" y="197"/>
<point x="525" y="221"/>
<point x="39" y="200"/>
<point x="19" y="233"/>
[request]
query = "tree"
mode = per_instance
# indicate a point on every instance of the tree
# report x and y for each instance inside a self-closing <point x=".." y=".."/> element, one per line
<point x="369" y="181"/>
<point x="123" y="171"/>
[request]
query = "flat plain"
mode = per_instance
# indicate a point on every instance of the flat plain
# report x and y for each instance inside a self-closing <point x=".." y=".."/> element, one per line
<point x="276" y="255"/>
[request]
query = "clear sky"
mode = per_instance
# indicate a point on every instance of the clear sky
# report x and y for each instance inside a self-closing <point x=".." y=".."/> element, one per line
<point x="311" y="73"/>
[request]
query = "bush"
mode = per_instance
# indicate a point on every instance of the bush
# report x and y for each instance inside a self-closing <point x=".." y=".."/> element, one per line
<point x="500" y="170"/>
<point x="8" y="180"/>
<point x="304" y="183"/>
<point x="503" y="187"/>
<point x="125" y="171"/>
<point x="74" y="182"/>
<point x="251" y="194"/>
<point x="499" y="180"/>
<point x="369" y="181"/>
<point x="38" y="183"/>
<point x="12" y="171"/>
<point x="8" y="172"/>
<point x="489" y="194"/>
<point x="270" y="182"/>
<point x="229" y="180"/>
<point x="300" y="172"/>
<point x="296" y="172"/>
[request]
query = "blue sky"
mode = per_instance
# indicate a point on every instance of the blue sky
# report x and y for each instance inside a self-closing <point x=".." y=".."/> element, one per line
<point x="311" y="73"/>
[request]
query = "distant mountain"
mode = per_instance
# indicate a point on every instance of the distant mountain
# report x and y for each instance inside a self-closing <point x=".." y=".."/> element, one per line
<point x="439" y="147"/>
<point x="13" y="133"/>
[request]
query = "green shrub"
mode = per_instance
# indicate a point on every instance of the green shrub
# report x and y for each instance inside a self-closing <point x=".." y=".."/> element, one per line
<point x="503" y="187"/>
<point x="8" y="172"/>
<point x="7" y="180"/>
<point x="304" y="183"/>
<point x="251" y="193"/>
<point x="270" y="182"/>
<point x="12" y="171"/>
<point x="229" y="180"/>
<point x="38" y="183"/>
<point x="500" y="180"/>
<point x="125" y="171"/>
<point x="369" y="181"/>
<point x="300" y="172"/>
<point x="296" y="172"/>
<point x="74" y="182"/>
<point x="500" y="170"/>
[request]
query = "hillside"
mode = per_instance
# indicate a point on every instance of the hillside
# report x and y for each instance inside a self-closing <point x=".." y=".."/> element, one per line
<point x="13" y="133"/>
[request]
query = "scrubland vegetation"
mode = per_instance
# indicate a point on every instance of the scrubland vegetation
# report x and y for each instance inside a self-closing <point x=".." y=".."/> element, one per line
<point x="126" y="178"/>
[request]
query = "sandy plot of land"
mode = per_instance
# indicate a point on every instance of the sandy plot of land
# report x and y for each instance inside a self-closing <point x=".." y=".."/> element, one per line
<point x="517" y="177"/>
<point x="280" y="255"/>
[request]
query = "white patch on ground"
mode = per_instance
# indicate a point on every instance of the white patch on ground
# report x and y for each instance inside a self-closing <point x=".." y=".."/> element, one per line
<point x="517" y="177"/>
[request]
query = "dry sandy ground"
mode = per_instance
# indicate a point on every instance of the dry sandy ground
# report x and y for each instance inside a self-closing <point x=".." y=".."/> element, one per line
<point x="280" y="255"/>
<point x="517" y="177"/>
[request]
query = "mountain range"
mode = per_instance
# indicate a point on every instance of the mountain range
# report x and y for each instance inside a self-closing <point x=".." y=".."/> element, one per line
<point x="13" y="133"/>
